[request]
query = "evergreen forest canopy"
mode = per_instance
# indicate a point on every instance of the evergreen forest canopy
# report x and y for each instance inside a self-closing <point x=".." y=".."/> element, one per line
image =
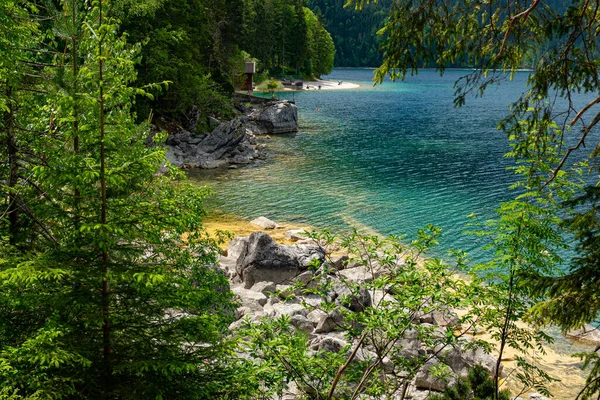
<point x="200" y="47"/>
<point x="357" y="43"/>
<point x="356" y="34"/>
<point x="108" y="284"/>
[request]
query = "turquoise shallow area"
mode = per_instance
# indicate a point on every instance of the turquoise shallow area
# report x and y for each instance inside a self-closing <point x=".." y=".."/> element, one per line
<point x="390" y="158"/>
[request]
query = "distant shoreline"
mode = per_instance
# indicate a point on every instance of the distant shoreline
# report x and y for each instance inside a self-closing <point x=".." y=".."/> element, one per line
<point x="323" y="84"/>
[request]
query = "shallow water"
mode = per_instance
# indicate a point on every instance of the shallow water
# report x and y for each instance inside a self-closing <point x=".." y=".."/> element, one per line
<point x="391" y="158"/>
<point x="388" y="159"/>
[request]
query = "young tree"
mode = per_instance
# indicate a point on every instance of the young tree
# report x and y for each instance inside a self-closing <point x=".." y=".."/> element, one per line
<point x="322" y="50"/>
<point x="388" y="318"/>
<point x="124" y="302"/>
<point x="559" y="40"/>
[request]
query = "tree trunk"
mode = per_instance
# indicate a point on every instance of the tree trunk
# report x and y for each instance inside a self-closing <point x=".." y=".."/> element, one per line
<point x="13" y="173"/>
<point x="105" y="256"/>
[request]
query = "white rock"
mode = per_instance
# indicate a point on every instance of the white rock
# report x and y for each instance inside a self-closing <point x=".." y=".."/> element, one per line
<point x="295" y="234"/>
<point x="586" y="334"/>
<point x="264" y="287"/>
<point x="279" y="309"/>
<point x="415" y="394"/>
<point x="250" y="297"/>
<point x="315" y="316"/>
<point x="537" y="396"/>
<point x="264" y="223"/>
<point x="302" y="323"/>
<point x="380" y="297"/>
<point x="312" y="300"/>
<point x="361" y="274"/>
<point x="237" y="246"/>
<point x="331" y="322"/>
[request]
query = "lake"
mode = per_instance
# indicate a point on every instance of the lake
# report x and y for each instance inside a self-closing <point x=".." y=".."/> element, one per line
<point x="390" y="159"/>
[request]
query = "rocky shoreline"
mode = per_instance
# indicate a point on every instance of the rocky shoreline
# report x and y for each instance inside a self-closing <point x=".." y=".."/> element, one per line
<point x="235" y="142"/>
<point x="266" y="275"/>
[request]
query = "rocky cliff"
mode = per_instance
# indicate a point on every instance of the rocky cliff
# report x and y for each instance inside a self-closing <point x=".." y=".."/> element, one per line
<point x="231" y="142"/>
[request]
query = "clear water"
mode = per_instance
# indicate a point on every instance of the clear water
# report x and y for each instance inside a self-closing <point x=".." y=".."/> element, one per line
<point x="390" y="158"/>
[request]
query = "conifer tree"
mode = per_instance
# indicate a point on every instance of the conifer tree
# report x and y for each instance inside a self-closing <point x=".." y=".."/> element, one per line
<point x="123" y="303"/>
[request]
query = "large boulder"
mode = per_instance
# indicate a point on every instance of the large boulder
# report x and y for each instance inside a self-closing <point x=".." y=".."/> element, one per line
<point x="356" y="299"/>
<point x="586" y="334"/>
<point x="425" y="379"/>
<point x="230" y="142"/>
<point x="262" y="259"/>
<point x="275" y="117"/>
<point x="461" y="359"/>
<point x="264" y="223"/>
<point x="327" y="322"/>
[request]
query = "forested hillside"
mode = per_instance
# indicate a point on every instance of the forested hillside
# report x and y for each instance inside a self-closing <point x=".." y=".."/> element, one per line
<point x="199" y="46"/>
<point x="354" y="32"/>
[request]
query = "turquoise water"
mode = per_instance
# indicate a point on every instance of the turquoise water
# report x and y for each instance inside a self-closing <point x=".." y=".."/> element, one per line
<point x="389" y="159"/>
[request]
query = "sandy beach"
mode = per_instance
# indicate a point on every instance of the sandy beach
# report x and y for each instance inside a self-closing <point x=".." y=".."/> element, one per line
<point x="327" y="85"/>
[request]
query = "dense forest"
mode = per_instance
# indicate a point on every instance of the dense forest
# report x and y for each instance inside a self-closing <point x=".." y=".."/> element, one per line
<point x="354" y="32"/>
<point x="200" y="47"/>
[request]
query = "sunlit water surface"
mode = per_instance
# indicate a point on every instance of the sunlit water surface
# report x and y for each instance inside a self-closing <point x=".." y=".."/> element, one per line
<point x="388" y="159"/>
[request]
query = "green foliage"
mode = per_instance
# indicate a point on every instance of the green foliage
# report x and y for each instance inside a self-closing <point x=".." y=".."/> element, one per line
<point x="477" y="386"/>
<point x="271" y="86"/>
<point x="354" y="32"/>
<point x="286" y="38"/>
<point x="191" y="44"/>
<point x="559" y="41"/>
<point x="111" y="293"/>
<point x="403" y="286"/>
<point x="322" y="49"/>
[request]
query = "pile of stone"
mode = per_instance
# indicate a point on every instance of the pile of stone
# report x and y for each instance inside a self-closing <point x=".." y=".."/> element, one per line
<point x="232" y="142"/>
<point x="263" y="275"/>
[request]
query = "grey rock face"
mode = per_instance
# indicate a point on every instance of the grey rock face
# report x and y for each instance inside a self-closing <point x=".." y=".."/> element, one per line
<point x="250" y="298"/>
<point x="426" y="380"/>
<point x="264" y="260"/>
<point x="302" y="323"/>
<point x="280" y="309"/>
<point x="329" y="322"/>
<point x="361" y="274"/>
<point x="275" y="117"/>
<point x="227" y="143"/>
<point x="264" y="287"/>
<point x="440" y="318"/>
<point x="332" y="344"/>
<point x="231" y="142"/>
<point x="460" y="360"/>
<point x="354" y="299"/>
